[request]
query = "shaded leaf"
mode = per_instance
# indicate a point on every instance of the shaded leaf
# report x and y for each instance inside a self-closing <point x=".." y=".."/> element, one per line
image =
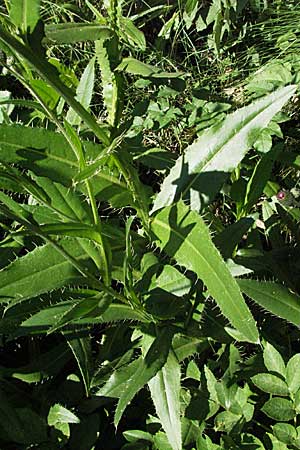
<point x="153" y="361"/>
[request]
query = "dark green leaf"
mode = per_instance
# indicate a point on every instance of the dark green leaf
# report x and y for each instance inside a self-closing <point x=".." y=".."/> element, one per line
<point x="153" y="361"/>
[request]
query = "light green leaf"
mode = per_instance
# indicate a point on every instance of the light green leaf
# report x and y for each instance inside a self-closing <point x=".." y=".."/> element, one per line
<point x="270" y="383"/>
<point x="273" y="297"/>
<point x="68" y="33"/>
<point x="106" y="51"/>
<point x="25" y="14"/>
<point x="199" y="173"/>
<point x="153" y="361"/>
<point x="84" y="92"/>
<point x="226" y="420"/>
<point x="273" y="360"/>
<point x="59" y="414"/>
<point x="293" y="373"/>
<point x="279" y="409"/>
<point x="285" y="433"/>
<point x="183" y="235"/>
<point x="165" y="393"/>
<point x="120" y="379"/>
<point x="135" y="435"/>
<point x="171" y="280"/>
<point x="132" y="34"/>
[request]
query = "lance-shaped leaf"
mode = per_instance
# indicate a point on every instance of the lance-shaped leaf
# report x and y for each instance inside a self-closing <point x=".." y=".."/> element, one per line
<point x="183" y="235"/>
<point x="82" y="351"/>
<point x="67" y="33"/>
<point x="84" y="92"/>
<point x="165" y="393"/>
<point x="200" y="172"/>
<point x="153" y="361"/>
<point x="273" y="297"/>
<point x="25" y="14"/>
<point x="40" y="271"/>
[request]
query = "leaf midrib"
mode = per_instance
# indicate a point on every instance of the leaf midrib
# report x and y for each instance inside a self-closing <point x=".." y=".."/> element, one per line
<point x="278" y="299"/>
<point x="201" y="168"/>
<point x="191" y="245"/>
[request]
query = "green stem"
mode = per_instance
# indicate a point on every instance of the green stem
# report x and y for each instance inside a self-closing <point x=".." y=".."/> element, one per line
<point x="52" y="116"/>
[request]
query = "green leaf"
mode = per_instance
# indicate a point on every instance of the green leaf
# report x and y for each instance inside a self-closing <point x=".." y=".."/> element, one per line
<point x="40" y="271"/>
<point x="106" y="51"/>
<point x="136" y="67"/>
<point x="50" y="316"/>
<point x="273" y="360"/>
<point x="231" y="236"/>
<point x="84" y="92"/>
<point x="186" y="346"/>
<point x="120" y="379"/>
<point x="49" y="155"/>
<point x="44" y="366"/>
<point x="270" y="383"/>
<point x="82" y="351"/>
<point x="273" y="297"/>
<point x="200" y="172"/>
<point x="132" y="34"/>
<point x="50" y="74"/>
<point x="24" y="14"/>
<point x="293" y="373"/>
<point x="279" y="409"/>
<point x="84" y="308"/>
<point x="183" y="235"/>
<point x="68" y="33"/>
<point x="171" y="280"/>
<point x="259" y="178"/>
<point x="59" y="414"/>
<point x="226" y="420"/>
<point x="34" y="426"/>
<point x="64" y="201"/>
<point x="165" y="393"/>
<point x="153" y="361"/>
<point x="285" y="433"/>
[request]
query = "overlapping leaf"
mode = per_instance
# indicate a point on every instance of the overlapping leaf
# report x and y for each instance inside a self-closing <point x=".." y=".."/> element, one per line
<point x="183" y="235"/>
<point x="200" y="172"/>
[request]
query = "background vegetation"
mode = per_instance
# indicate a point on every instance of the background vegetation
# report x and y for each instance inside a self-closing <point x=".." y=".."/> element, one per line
<point x="149" y="210"/>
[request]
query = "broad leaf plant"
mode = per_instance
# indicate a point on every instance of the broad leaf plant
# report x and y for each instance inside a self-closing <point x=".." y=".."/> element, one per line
<point x="125" y="279"/>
